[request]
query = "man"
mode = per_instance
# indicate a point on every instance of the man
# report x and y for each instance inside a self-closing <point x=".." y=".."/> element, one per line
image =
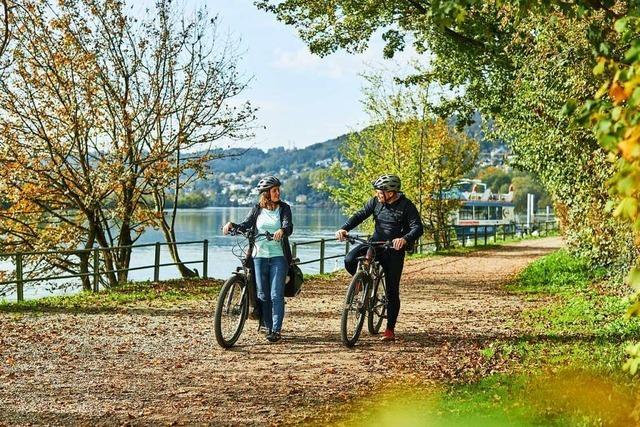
<point x="396" y="219"/>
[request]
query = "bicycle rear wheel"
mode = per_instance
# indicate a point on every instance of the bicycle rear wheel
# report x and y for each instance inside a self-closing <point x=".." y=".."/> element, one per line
<point x="355" y="308"/>
<point x="377" y="305"/>
<point x="231" y="311"/>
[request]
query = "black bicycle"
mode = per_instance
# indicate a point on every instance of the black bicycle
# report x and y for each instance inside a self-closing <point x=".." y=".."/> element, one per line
<point x="366" y="294"/>
<point x="238" y="294"/>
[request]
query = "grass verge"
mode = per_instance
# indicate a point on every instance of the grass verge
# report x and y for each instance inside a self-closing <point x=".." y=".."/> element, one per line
<point x="147" y="294"/>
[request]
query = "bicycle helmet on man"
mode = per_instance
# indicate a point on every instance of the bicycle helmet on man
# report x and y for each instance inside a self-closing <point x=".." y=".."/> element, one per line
<point x="267" y="183"/>
<point x="387" y="183"/>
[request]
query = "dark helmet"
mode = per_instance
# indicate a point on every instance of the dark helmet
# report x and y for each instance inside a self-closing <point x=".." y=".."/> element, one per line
<point x="387" y="183"/>
<point x="268" y="182"/>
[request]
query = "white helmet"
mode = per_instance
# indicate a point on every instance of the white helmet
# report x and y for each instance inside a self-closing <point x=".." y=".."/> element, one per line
<point x="268" y="182"/>
<point x="387" y="183"/>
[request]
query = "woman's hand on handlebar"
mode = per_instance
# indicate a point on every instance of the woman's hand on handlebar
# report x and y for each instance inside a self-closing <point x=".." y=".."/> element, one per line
<point x="227" y="227"/>
<point x="278" y="235"/>
<point x="341" y="235"/>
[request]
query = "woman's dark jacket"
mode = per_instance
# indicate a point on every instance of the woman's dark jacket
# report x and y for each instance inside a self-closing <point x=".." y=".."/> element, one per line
<point x="286" y="224"/>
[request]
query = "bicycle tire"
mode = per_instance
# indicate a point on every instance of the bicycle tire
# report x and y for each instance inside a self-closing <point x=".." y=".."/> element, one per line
<point x="377" y="306"/>
<point x="228" y="310"/>
<point x="355" y="304"/>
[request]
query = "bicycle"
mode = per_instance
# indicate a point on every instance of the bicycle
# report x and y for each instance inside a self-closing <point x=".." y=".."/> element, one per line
<point x="238" y="293"/>
<point x="366" y="294"/>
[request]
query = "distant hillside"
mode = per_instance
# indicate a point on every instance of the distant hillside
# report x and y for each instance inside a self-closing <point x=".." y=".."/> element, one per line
<point x="256" y="161"/>
<point x="233" y="176"/>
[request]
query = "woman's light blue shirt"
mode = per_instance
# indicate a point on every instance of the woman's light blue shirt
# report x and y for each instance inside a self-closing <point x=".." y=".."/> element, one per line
<point x="268" y="221"/>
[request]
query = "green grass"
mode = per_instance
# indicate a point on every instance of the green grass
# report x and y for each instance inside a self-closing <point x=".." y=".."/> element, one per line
<point x="557" y="273"/>
<point x="157" y="295"/>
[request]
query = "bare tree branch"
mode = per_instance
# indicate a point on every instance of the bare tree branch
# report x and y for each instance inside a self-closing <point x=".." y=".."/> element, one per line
<point x="4" y="39"/>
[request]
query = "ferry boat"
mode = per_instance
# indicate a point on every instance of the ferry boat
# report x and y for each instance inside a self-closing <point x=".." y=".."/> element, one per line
<point x="481" y="210"/>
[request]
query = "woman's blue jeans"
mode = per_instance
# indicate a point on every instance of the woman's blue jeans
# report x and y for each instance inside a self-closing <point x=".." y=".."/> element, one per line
<point x="270" y="276"/>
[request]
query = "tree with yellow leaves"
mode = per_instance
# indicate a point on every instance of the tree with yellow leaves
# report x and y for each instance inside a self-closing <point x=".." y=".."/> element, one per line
<point x="98" y="112"/>
<point x="404" y="139"/>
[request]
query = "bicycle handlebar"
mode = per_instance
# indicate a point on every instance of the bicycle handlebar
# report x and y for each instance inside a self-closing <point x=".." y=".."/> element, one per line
<point x="235" y="231"/>
<point x="353" y="239"/>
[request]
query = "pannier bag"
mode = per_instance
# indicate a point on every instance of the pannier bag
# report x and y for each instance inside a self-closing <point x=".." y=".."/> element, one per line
<point x="293" y="282"/>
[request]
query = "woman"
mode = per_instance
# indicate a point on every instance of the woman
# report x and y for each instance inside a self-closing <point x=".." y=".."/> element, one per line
<point x="270" y="257"/>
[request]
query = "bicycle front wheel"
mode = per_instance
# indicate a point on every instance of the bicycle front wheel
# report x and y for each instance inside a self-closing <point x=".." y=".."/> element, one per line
<point x="355" y="308"/>
<point x="231" y="311"/>
<point x="378" y="305"/>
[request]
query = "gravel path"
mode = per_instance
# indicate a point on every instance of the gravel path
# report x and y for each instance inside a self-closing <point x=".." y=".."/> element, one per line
<point x="145" y="366"/>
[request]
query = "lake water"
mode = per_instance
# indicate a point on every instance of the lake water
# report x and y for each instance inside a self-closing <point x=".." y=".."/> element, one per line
<point x="200" y="224"/>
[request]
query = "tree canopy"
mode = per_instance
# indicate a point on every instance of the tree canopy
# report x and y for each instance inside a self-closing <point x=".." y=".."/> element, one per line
<point x="517" y="62"/>
<point x="97" y="112"/>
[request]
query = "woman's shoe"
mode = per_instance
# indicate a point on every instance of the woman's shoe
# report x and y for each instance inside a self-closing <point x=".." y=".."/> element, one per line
<point x="274" y="337"/>
<point x="264" y="330"/>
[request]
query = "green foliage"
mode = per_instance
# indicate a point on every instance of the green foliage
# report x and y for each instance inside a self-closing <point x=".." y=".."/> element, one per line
<point x="406" y="140"/>
<point x="496" y="179"/>
<point x="517" y="62"/>
<point x="499" y="181"/>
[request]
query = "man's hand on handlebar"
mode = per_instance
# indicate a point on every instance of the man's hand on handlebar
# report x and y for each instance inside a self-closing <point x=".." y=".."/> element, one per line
<point x="399" y="243"/>
<point x="341" y="235"/>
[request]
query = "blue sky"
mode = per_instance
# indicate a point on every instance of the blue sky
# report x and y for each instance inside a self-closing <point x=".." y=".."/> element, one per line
<point x="302" y="98"/>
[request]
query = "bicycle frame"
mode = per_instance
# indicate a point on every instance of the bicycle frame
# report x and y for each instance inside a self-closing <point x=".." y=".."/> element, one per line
<point x="367" y="262"/>
<point x="246" y="269"/>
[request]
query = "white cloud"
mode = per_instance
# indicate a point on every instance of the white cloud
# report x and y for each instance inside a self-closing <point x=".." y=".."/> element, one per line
<point x="341" y="64"/>
<point x="301" y="60"/>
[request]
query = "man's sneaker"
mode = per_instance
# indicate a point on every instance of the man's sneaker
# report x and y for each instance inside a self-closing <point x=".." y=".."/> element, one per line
<point x="274" y="337"/>
<point x="388" y="335"/>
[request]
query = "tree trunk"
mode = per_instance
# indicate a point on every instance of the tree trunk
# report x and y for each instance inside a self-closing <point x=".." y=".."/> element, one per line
<point x="84" y="260"/>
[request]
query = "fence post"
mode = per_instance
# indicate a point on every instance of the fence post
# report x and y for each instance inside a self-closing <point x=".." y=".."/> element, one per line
<point x="475" y="236"/>
<point x="205" y="258"/>
<point x="96" y="270"/>
<point x="321" y="256"/>
<point x="156" y="264"/>
<point x="19" y="278"/>
<point x="485" y="235"/>
<point x="294" y="249"/>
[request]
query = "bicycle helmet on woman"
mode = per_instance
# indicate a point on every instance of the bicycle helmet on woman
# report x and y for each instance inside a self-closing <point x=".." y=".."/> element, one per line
<point x="268" y="182"/>
<point x="387" y="183"/>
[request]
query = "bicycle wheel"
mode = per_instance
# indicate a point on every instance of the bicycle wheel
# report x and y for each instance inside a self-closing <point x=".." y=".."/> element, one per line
<point x="377" y="305"/>
<point x="231" y="311"/>
<point x="355" y="308"/>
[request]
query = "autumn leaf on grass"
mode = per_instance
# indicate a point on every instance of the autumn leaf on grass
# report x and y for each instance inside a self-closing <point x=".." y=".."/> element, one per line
<point x="617" y="92"/>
